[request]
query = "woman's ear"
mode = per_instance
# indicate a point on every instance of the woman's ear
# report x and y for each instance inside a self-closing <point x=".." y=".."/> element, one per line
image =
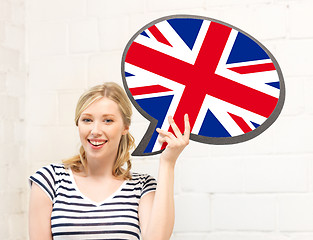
<point x="126" y="130"/>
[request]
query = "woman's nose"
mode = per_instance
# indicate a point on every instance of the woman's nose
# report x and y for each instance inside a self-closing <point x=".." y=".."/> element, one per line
<point x="96" y="130"/>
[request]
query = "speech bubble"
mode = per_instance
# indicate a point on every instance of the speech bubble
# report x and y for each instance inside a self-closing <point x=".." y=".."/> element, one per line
<point x="230" y="85"/>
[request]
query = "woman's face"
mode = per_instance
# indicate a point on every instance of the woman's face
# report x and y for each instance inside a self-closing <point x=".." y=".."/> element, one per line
<point x="100" y="129"/>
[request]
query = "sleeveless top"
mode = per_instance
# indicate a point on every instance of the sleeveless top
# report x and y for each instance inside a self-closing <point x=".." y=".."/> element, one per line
<point x="74" y="216"/>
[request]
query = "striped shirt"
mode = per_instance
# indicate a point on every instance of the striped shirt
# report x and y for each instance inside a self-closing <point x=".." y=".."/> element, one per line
<point x="74" y="216"/>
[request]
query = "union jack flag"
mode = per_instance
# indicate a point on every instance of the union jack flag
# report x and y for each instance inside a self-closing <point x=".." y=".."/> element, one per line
<point x="225" y="81"/>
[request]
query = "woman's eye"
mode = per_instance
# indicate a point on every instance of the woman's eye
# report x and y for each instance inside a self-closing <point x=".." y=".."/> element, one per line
<point x="108" y="120"/>
<point x="86" y="120"/>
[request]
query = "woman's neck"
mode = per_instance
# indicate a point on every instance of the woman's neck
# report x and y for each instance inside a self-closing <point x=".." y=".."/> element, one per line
<point x="99" y="168"/>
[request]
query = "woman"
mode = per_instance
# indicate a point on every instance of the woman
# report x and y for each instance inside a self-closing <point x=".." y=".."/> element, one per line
<point x="91" y="196"/>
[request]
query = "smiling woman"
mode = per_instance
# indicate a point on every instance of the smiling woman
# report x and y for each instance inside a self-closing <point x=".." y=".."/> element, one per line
<point x="87" y="103"/>
<point x="92" y="195"/>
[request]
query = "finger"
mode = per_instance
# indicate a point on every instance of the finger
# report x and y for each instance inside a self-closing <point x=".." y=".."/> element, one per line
<point x="187" y="127"/>
<point x="164" y="139"/>
<point x="174" y="127"/>
<point x="163" y="133"/>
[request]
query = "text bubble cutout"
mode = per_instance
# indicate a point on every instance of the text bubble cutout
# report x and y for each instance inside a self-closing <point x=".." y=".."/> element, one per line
<point x="230" y="85"/>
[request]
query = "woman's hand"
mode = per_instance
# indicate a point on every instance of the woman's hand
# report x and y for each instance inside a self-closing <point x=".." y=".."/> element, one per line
<point x="175" y="143"/>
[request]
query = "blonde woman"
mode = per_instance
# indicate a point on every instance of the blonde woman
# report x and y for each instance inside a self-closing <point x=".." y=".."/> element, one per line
<point x="93" y="195"/>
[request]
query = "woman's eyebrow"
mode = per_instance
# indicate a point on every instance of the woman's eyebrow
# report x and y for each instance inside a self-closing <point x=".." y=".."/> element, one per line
<point x="104" y="115"/>
<point x="86" y="114"/>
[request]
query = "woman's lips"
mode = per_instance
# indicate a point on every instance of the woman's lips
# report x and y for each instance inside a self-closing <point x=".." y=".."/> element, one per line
<point x="96" y="144"/>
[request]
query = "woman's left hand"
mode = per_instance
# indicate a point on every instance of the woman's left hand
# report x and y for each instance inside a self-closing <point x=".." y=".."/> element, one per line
<point x="175" y="144"/>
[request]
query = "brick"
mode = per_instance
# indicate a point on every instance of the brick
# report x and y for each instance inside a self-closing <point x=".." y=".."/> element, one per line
<point x="15" y="37"/>
<point x="300" y="17"/>
<point x="104" y="68"/>
<point x="250" y="18"/>
<point x="13" y="201"/>
<point x="16" y="181"/>
<point x="294" y="56"/>
<point x="189" y="236"/>
<point x="301" y="236"/>
<point x="2" y="30"/>
<point x="4" y="179"/>
<point x="245" y="236"/>
<point x="12" y="107"/>
<point x="15" y="83"/>
<point x="46" y="38"/>
<point x="101" y="8"/>
<point x="262" y="144"/>
<point x="2" y="83"/>
<point x="213" y="3"/>
<point x="295" y="96"/>
<point x="173" y="5"/>
<point x="19" y="13"/>
<point x="43" y="109"/>
<point x="57" y="73"/>
<point x="212" y="175"/>
<point x="83" y="36"/>
<point x="3" y="106"/>
<point x="2" y="137"/>
<point x="295" y="212"/>
<point x="308" y="97"/>
<point x="51" y="144"/>
<point x="56" y="10"/>
<point x="9" y="107"/>
<point x="283" y="173"/>
<point x="19" y="133"/>
<point x="192" y="213"/>
<point x="66" y="107"/>
<point x="4" y="233"/>
<point x="18" y="219"/>
<point x="9" y="59"/>
<point x="293" y="134"/>
<point x="5" y="10"/>
<point x="197" y="150"/>
<point x="114" y="33"/>
<point x="244" y="212"/>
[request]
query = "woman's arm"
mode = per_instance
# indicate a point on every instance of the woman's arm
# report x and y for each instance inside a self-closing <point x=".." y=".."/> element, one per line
<point x="156" y="209"/>
<point x="40" y="208"/>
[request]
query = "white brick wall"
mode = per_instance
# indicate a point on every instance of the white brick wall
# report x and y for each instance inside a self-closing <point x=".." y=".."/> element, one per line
<point x="50" y="51"/>
<point x="13" y="187"/>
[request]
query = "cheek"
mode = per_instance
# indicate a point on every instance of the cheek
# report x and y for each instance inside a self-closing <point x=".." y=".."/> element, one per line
<point x="82" y="131"/>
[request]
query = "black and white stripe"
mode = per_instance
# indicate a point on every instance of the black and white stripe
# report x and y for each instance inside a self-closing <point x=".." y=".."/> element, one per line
<point x="76" y="217"/>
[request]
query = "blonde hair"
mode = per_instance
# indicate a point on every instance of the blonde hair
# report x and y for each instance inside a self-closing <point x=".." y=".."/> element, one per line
<point x="114" y="92"/>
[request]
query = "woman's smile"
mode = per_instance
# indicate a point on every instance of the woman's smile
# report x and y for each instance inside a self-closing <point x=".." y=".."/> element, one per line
<point x="97" y="143"/>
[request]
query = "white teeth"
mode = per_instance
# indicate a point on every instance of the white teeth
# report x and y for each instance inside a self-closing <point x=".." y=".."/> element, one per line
<point x="97" y="143"/>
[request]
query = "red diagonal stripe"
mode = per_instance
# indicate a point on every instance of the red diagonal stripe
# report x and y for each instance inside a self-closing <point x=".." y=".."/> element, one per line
<point x="254" y="68"/>
<point x="148" y="90"/>
<point x="158" y="35"/>
<point x="241" y="123"/>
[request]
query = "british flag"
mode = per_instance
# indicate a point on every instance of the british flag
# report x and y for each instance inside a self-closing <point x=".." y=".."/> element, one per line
<point x="226" y="82"/>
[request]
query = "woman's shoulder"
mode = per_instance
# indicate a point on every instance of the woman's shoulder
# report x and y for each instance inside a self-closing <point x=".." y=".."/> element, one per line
<point x="136" y="175"/>
<point x="142" y="178"/>
<point x="53" y="171"/>
<point x="144" y="182"/>
<point x="47" y="177"/>
<point x="53" y="168"/>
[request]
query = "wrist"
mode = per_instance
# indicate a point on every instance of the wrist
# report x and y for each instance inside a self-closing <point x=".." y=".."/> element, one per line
<point x="167" y="164"/>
